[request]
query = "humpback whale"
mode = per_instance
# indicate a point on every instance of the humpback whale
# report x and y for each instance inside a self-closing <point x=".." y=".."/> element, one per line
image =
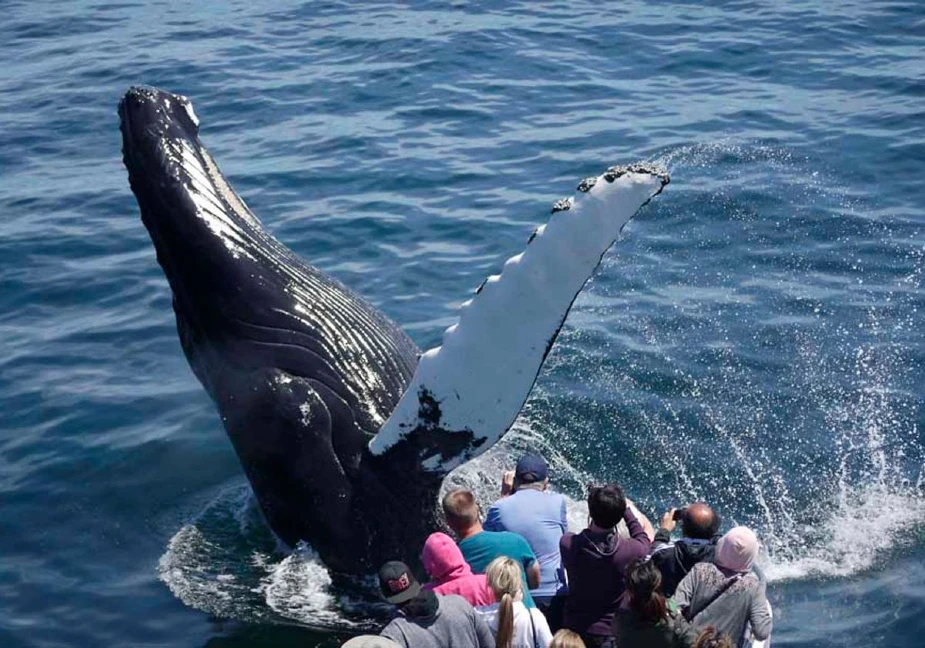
<point x="343" y="427"/>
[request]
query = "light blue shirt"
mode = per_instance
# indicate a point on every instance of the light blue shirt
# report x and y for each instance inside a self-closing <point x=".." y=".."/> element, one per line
<point x="540" y="517"/>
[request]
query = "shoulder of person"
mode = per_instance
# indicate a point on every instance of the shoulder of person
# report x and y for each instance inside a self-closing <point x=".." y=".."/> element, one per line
<point x="703" y="567"/>
<point x="662" y="552"/>
<point x="499" y="503"/>
<point x="491" y="608"/>
<point x="514" y="538"/>
<point x="393" y="629"/>
<point x="751" y="581"/>
<point x="455" y="602"/>
<point x="558" y="499"/>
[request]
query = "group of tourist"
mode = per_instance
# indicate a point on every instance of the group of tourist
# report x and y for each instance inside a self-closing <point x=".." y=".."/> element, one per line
<point x="522" y="580"/>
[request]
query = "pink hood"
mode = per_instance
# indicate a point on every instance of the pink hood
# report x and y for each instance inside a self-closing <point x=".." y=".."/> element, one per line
<point x="443" y="560"/>
<point x="451" y="573"/>
<point x="737" y="550"/>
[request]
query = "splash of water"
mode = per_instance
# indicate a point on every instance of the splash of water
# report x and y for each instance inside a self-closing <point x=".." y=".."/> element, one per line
<point x="825" y="504"/>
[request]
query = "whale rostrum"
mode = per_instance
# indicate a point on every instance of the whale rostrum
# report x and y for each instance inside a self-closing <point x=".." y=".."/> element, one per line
<point x="343" y="428"/>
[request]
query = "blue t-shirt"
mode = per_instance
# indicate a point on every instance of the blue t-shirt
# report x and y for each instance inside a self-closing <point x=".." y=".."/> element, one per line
<point x="540" y="517"/>
<point x="482" y="548"/>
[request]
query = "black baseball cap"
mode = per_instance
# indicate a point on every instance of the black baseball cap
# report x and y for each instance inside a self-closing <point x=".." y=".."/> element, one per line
<point x="397" y="583"/>
<point x="531" y="468"/>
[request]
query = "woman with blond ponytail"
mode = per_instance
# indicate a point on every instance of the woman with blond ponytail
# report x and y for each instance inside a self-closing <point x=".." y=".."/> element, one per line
<point x="514" y="625"/>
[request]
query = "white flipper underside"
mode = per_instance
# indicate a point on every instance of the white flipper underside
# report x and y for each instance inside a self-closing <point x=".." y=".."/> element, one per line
<point x="482" y="374"/>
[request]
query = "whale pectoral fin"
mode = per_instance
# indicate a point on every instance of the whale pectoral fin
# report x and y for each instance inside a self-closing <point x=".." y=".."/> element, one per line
<point x="282" y="432"/>
<point x="466" y="393"/>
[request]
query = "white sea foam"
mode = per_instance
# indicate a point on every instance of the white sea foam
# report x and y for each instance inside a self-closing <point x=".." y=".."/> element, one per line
<point x="299" y="588"/>
<point x="227" y="563"/>
<point x="856" y="537"/>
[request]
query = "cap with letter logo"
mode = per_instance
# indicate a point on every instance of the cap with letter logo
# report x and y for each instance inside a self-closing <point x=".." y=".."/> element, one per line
<point x="397" y="583"/>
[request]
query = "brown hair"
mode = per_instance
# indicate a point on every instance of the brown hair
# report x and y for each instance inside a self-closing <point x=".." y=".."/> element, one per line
<point x="504" y="579"/>
<point x="566" y="639"/>
<point x="643" y="580"/>
<point x="460" y="509"/>
<point x="712" y="638"/>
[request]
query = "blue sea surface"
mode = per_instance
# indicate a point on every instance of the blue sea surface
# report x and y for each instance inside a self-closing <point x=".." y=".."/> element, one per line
<point x="756" y="339"/>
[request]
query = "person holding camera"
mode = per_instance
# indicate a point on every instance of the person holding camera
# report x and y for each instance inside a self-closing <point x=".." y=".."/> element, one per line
<point x="595" y="561"/>
<point x="528" y="508"/>
<point x="699" y="534"/>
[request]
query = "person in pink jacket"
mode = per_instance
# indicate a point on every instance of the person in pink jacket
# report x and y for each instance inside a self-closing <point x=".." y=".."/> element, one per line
<point x="451" y="573"/>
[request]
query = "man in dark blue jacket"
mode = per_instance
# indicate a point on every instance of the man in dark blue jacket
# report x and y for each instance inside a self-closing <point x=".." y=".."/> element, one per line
<point x="699" y="531"/>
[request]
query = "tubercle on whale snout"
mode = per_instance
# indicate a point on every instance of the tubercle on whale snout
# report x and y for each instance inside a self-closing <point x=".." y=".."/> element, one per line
<point x="615" y="172"/>
<point x="145" y="110"/>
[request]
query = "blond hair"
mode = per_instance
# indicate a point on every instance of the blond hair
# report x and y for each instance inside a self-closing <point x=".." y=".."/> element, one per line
<point x="566" y="639"/>
<point x="505" y="580"/>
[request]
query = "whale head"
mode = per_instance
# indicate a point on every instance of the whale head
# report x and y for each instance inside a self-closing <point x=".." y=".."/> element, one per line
<point x="303" y="371"/>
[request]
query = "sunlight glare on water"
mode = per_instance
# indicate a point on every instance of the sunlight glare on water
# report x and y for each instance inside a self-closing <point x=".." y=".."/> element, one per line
<point x="754" y="340"/>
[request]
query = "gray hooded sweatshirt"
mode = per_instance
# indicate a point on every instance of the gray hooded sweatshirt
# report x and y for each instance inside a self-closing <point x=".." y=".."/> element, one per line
<point x="744" y="602"/>
<point x="456" y="624"/>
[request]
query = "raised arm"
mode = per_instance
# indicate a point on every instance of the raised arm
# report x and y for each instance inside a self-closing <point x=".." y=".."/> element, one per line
<point x="642" y="519"/>
<point x="638" y="533"/>
<point x="666" y="525"/>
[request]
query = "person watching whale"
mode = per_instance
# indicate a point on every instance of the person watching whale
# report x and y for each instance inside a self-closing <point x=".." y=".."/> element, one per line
<point x="699" y="533"/>
<point x="727" y="593"/>
<point x="451" y="574"/>
<point x="479" y="547"/>
<point x="424" y="619"/>
<point x="528" y="508"/>
<point x="595" y="561"/>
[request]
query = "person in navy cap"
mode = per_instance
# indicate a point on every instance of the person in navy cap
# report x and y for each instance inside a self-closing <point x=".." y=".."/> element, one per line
<point x="528" y="508"/>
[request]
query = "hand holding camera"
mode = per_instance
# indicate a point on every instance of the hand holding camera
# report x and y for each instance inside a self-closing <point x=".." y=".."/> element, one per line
<point x="671" y="518"/>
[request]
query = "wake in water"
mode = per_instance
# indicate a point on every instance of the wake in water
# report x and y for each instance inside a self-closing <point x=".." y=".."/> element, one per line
<point x="228" y="563"/>
<point x="787" y="398"/>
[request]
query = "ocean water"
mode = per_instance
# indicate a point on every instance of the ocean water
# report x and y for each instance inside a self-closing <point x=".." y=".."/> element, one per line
<point x="756" y="339"/>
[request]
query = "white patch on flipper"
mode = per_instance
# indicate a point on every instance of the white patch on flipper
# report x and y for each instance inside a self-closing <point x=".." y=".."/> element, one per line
<point x="482" y="374"/>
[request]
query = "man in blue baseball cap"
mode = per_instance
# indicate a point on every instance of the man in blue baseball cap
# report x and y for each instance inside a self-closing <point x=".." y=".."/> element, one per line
<point x="528" y="508"/>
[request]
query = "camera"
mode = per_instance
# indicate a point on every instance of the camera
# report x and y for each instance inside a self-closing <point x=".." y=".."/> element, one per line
<point x="679" y="514"/>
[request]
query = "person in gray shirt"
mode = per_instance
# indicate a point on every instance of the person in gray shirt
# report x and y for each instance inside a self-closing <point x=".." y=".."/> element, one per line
<point x="726" y="594"/>
<point x="426" y="620"/>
